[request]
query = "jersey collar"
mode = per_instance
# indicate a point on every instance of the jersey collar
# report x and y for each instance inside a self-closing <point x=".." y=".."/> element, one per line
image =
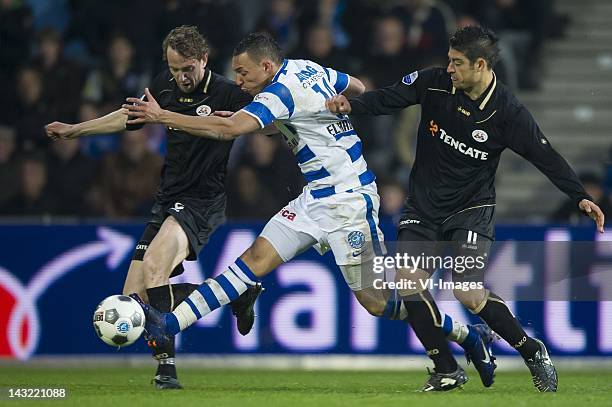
<point x="281" y="70"/>
<point x="206" y="80"/>
<point x="487" y="94"/>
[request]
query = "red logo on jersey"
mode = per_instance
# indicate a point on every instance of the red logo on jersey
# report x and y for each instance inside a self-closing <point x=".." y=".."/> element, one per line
<point x="433" y="128"/>
<point x="285" y="213"/>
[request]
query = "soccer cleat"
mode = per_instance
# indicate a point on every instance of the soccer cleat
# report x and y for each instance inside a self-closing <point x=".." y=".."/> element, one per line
<point x="542" y="370"/>
<point x="166" y="383"/>
<point x="242" y="308"/>
<point x="481" y="355"/>
<point x="155" y="322"/>
<point x="445" y="381"/>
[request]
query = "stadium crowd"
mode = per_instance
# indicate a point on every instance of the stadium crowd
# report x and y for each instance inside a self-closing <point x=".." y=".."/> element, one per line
<point x="72" y="61"/>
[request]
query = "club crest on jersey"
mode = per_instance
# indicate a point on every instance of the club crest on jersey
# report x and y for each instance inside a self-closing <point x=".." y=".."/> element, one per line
<point x="480" y="136"/>
<point x="356" y="239"/>
<point x="203" y="110"/>
<point x="409" y="79"/>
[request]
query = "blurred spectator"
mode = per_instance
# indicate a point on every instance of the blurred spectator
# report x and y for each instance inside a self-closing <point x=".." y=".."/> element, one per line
<point x="319" y="47"/>
<point x="32" y="110"/>
<point x="219" y="21"/>
<point x="392" y="197"/>
<point x="279" y="19"/>
<point x="50" y="13"/>
<point x="62" y="79"/>
<point x="9" y="166"/>
<point x="15" y="36"/>
<point x="95" y="22"/>
<point x="265" y="155"/>
<point x="387" y="63"/>
<point x="34" y="198"/>
<point x="70" y="177"/>
<point x="389" y="59"/>
<point x="358" y="21"/>
<point x="127" y="179"/>
<point x="248" y="198"/>
<point x="117" y="79"/>
<point x="569" y="213"/>
<point x="428" y="24"/>
<point x="327" y="13"/>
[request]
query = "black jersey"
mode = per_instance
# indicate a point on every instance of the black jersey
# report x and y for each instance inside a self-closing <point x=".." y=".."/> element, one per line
<point x="461" y="140"/>
<point x="195" y="167"/>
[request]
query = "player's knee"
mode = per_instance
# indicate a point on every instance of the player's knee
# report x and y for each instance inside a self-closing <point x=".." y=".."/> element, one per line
<point x="261" y="257"/>
<point x="253" y="256"/>
<point x="470" y="299"/>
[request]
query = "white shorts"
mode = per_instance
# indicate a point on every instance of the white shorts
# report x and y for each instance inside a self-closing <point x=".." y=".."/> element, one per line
<point x="346" y="223"/>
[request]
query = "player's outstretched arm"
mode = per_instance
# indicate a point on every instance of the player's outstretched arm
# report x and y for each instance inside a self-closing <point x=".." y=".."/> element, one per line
<point x="594" y="212"/>
<point x="354" y="88"/>
<point x="111" y="123"/>
<point x="213" y="127"/>
<point x="526" y="139"/>
<point x="269" y="130"/>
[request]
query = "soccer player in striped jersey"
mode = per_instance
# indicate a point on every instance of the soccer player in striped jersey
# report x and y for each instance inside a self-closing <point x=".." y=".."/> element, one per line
<point x="338" y="208"/>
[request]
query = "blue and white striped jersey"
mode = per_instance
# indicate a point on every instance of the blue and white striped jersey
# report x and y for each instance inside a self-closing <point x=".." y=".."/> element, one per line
<point x="325" y="145"/>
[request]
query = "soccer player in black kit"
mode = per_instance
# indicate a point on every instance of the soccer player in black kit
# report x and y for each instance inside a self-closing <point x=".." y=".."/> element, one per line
<point x="190" y="201"/>
<point x="468" y="118"/>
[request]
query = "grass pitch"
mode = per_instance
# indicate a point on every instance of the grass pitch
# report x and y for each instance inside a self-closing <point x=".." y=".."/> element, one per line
<point x="130" y="386"/>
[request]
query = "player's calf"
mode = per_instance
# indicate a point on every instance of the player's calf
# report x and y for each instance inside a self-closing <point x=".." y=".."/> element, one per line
<point x="372" y="300"/>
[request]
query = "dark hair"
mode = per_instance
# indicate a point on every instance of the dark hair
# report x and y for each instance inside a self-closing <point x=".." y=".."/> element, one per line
<point x="260" y="45"/>
<point x="187" y="41"/>
<point x="476" y="42"/>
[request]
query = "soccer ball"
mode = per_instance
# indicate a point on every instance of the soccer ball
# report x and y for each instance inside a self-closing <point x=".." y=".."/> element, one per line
<point x="119" y="320"/>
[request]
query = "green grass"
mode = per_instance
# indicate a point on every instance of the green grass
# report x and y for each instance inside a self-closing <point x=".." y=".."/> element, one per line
<point x="90" y="387"/>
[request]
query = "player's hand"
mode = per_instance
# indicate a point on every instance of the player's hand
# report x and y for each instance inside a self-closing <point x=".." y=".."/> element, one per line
<point x="223" y="113"/>
<point x="61" y="131"/>
<point x="593" y="211"/>
<point x="142" y="111"/>
<point x="339" y="104"/>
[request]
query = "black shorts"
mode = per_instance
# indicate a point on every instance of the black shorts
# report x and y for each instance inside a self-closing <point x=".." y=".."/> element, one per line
<point x="463" y="240"/>
<point x="198" y="218"/>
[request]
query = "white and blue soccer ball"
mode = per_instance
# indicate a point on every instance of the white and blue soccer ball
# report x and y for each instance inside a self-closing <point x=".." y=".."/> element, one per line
<point x="119" y="320"/>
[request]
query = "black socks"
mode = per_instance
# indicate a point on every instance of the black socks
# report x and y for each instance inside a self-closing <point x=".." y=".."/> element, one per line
<point x="426" y="322"/>
<point x="497" y="315"/>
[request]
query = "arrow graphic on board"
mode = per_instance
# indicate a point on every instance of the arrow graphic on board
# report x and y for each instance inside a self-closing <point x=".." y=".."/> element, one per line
<point x="112" y="244"/>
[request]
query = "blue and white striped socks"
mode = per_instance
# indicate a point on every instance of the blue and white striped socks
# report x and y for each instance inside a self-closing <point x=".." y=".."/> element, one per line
<point x="210" y="295"/>
<point x="455" y="331"/>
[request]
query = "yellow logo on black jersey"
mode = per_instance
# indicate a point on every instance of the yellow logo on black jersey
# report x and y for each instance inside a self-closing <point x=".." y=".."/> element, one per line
<point x="462" y="110"/>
